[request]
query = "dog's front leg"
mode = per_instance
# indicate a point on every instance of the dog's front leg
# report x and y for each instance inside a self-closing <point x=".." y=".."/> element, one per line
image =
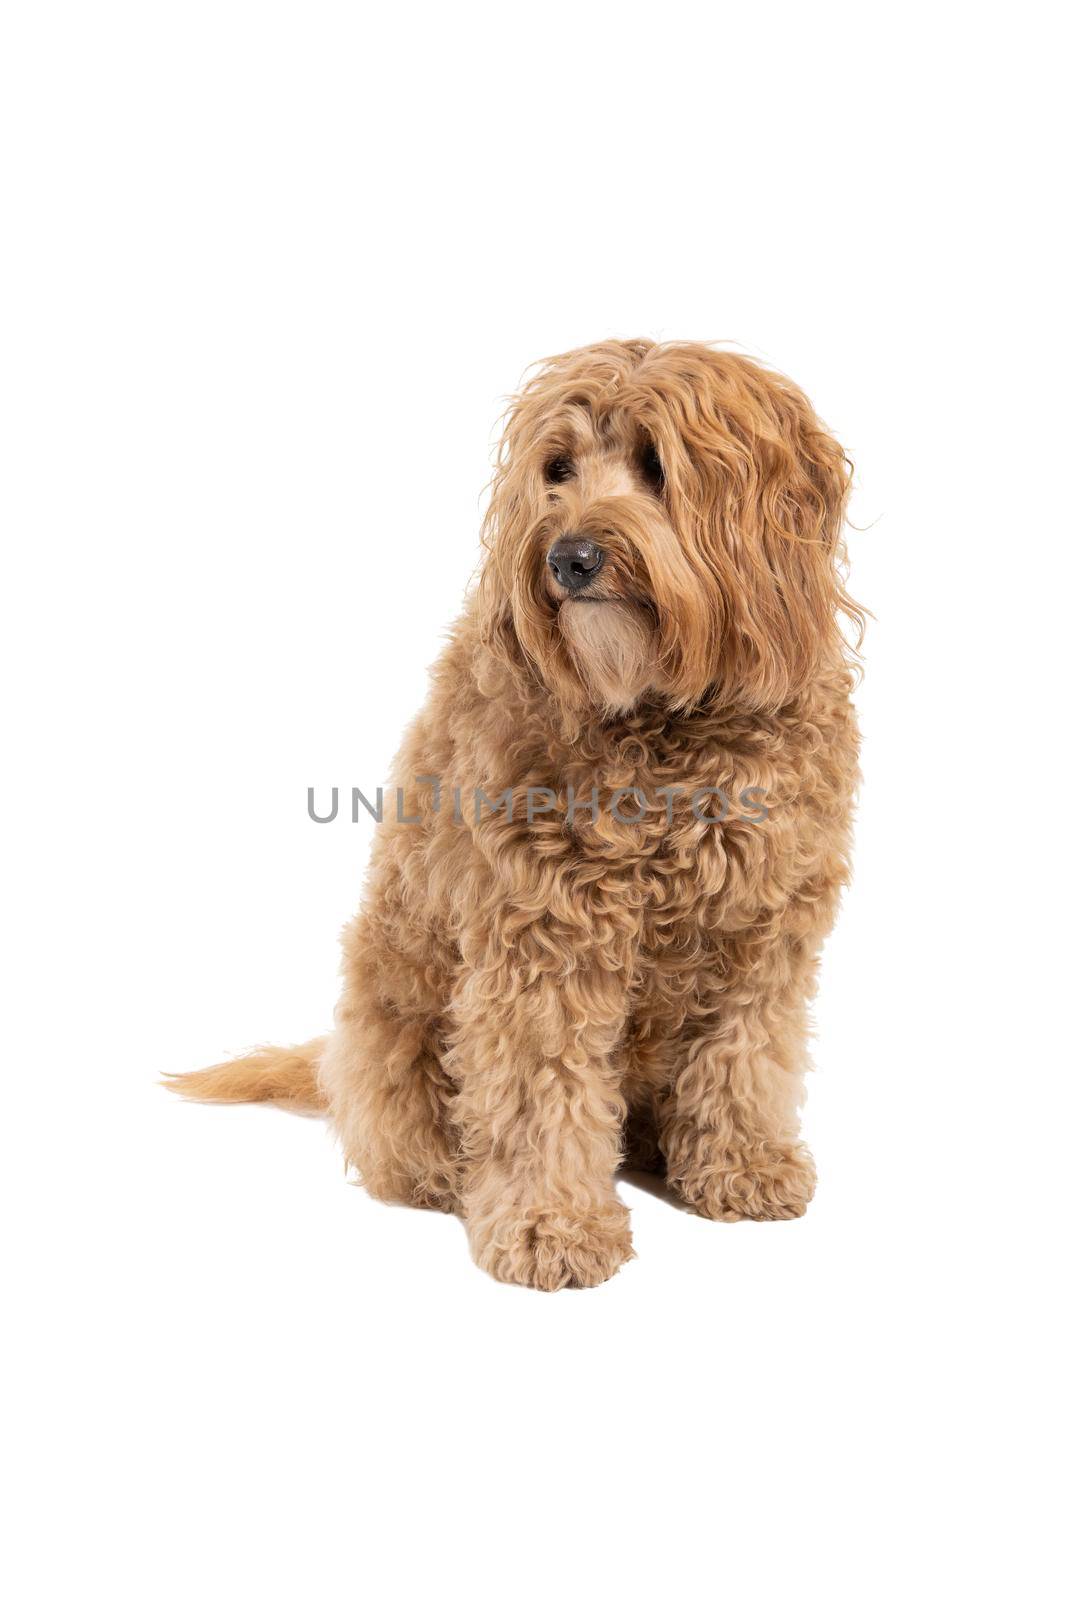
<point x="729" y="1127"/>
<point x="540" y="1115"/>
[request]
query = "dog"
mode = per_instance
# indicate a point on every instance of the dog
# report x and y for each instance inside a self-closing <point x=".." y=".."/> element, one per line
<point x="538" y="994"/>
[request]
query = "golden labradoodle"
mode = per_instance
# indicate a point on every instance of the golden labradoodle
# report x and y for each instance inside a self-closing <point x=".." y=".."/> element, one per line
<point x="632" y="785"/>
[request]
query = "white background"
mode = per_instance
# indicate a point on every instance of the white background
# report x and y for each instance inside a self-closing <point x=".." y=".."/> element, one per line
<point x="270" y="271"/>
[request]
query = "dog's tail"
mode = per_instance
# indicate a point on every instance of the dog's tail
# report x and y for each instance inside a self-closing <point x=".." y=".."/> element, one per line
<point x="290" y="1076"/>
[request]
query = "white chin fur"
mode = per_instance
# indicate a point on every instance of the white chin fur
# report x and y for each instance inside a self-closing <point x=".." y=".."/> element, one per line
<point x="612" y="645"/>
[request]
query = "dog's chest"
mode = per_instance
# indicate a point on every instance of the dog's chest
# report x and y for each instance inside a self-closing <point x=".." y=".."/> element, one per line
<point x="691" y="839"/>
<point x="638" y="800"/>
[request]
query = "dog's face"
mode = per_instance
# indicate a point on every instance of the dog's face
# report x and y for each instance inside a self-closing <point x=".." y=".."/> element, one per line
<point x="664" y="522"/>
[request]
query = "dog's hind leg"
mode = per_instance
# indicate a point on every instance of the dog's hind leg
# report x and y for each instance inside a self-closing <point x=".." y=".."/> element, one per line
<point x="388" y="1094"/>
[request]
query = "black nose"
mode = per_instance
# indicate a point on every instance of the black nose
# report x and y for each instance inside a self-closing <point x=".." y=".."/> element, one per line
<point x="574" y="563"/>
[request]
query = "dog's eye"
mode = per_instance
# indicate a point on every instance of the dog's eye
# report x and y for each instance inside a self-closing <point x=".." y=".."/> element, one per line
<point x="652" y="468"/>
<point x="559" y="469"/>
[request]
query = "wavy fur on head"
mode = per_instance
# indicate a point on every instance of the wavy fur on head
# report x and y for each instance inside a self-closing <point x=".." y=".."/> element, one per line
<point x="532" y="998"/>
<point x="719" y="498"/>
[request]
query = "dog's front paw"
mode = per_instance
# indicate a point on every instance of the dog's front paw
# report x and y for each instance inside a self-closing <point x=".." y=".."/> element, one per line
<point x="551" y="1249"/>
<point x="771" y="1182"/>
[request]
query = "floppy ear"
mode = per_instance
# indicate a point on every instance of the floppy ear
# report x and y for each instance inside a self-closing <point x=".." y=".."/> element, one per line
<point x="514" y="629"/>
<point x="496" y="622"/>
<point x="765" y="512"/>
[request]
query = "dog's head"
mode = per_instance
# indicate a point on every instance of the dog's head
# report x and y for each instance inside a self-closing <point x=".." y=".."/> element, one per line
<point x="664" y="521"/>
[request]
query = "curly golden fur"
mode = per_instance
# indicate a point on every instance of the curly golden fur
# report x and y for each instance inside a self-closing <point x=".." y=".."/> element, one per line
<point x="531" y="1002"/>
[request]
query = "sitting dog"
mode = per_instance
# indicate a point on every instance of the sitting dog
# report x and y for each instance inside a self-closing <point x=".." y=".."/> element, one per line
<point x="606" y="969"/>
